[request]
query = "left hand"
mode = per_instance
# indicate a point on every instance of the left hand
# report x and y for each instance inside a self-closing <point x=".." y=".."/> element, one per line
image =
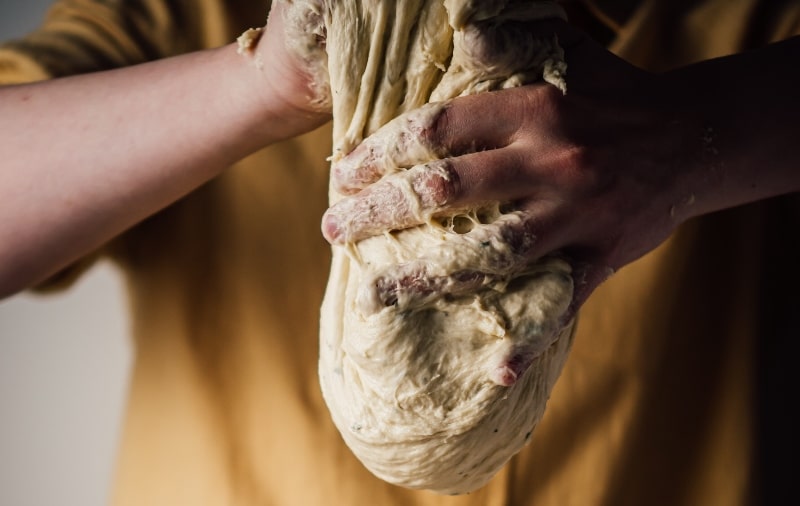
<point x="289" y="53"/>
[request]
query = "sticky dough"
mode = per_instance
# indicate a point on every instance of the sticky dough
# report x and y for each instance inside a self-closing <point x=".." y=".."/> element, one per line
<point x="421" y="392"/>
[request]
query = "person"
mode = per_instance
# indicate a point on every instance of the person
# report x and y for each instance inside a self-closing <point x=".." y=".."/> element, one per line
<point x="225" y="267"/>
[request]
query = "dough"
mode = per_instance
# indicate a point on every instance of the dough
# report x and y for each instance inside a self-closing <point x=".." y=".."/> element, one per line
<point x="428" y="391"/>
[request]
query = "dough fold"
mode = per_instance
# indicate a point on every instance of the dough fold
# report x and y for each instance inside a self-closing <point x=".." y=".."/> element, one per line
<point x="430" y="391"/>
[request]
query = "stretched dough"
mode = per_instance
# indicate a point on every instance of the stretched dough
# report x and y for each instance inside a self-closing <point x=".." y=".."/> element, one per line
<point x="425" y="392"/>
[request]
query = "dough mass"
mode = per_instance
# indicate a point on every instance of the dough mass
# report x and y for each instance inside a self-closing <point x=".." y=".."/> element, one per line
<point x="433" y="392"/>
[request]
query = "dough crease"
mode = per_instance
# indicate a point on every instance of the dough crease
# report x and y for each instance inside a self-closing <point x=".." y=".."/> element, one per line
<point x="430" y="391"/>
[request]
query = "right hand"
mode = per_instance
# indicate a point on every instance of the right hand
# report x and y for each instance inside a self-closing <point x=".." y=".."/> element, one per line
<point x="598" y="174"/>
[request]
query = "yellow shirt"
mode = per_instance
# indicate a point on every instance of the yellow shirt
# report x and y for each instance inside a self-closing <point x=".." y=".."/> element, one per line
<point x="656" y="403"/>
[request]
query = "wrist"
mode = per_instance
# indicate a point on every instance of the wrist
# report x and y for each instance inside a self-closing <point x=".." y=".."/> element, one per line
<point x="688" y="128"/>
<point x="741" y="145"/>
<point x="278" y="103"/>
<point x="292" y="86"/>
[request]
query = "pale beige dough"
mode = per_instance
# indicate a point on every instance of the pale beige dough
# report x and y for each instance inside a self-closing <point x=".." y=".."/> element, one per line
<point x="419" y="391"/>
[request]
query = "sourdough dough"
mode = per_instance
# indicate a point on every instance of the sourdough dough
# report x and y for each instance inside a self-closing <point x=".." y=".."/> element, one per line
<point x="432" y="392"/>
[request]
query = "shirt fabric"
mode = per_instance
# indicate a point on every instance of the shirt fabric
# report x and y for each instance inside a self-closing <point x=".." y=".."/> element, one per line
<point x="656" y="404"/>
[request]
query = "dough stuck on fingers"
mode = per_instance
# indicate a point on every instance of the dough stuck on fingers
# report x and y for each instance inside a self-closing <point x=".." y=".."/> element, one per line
<point x="439" y="344"/>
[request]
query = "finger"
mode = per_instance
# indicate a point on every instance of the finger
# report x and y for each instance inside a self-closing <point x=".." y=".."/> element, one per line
<point x="394" y="203"/>
<point x="411" y="286"/>
<point x="414" y="196"/>
<point x="403" y="142"/>
<point x="487" y="256"/>
<point x="461" y="126"/>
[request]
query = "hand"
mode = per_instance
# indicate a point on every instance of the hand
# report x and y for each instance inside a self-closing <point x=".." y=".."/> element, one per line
<point x="598" y="174"/>
<point x="289" y="52"/>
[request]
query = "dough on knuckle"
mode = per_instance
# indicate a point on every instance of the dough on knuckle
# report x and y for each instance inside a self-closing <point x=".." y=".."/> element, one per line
<point x="436" y="184"/>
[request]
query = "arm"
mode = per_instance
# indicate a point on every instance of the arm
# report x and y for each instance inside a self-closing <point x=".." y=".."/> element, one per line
<point x="604" y="173"/>
<point x="86" y="157"/>
<point x="749" y="106"/>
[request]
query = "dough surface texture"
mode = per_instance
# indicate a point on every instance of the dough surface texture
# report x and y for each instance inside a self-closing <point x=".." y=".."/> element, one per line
<point x="430" y="391"/>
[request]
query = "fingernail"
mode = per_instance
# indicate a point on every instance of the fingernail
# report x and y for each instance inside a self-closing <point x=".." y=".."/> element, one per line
<point x="354" y="156"/>
<point x="331" y="229"/>
<point x="348" y="173"/>
<point x="339" y="173"/>
<point x="512" y="368"/>
<point x="504" y="376"/>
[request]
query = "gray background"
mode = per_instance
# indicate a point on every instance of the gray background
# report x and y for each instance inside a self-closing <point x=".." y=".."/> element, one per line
<point x="64" y="364"/>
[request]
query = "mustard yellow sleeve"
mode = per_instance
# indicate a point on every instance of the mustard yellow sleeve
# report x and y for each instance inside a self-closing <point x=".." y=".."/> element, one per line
<point x="79" y="36"/>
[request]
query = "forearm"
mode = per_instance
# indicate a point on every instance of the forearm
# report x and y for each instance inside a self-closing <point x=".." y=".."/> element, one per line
<point x="88" y="156"/>
<point x="745" y="111"/>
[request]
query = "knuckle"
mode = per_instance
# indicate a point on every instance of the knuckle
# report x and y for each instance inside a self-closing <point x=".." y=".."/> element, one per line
<point x="331" y="230"/>
<point x="577" y="157"/>
<point x="358" y="169"/>
<point x="479" y="43"/>
<point x="436" y="133"/>
<point x="516" y="165"/>
<point x="520" y="237"/>
<point x="590" y="179"/>
<point x="544" y="99"/>
<point x="503" y="47"/>
<point x="437" y="184"/>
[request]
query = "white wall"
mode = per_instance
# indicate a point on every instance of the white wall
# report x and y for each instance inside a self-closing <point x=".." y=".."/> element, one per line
<point x="64" y="364"/>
